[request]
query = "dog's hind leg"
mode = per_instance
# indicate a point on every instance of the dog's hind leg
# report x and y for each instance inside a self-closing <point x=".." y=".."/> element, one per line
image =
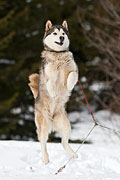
<point x="63" y="127"/>
<point x="38" y="124"/>
<point x="42" y="132"/>
<point x="38" y="133"/>
<point x="43" y="140"/>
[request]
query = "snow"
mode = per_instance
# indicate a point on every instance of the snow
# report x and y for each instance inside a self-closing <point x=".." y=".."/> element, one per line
<point x="97" y="161"/>
<point x="22" y="161"/>
<point x="7" y="61"/>
<point x="82" y="123"/>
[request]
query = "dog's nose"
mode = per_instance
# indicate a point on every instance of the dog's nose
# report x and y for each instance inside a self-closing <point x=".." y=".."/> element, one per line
<point x="62" y="38"/>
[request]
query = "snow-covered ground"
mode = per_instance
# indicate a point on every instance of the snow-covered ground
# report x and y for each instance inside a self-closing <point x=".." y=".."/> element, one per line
<point x="22" y="161"/>
<point x="97" y="161"/>
<point x="82" y="123"/>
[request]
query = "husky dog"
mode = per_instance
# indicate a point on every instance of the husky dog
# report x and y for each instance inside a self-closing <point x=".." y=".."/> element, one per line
<point x="52" y="87"/>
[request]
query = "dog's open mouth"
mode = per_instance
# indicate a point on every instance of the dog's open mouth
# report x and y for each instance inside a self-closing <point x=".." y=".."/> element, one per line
<point x="59" y="43"/>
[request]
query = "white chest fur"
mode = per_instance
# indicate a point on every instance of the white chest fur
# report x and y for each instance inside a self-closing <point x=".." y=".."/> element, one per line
<point x="60" y="68"/>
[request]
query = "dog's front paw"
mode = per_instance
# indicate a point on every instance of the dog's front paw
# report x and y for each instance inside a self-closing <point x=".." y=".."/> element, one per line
<point x="71" y="81"/>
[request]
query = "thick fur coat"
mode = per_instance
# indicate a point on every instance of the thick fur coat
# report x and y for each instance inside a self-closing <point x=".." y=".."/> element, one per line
<point x="51" y="89"/>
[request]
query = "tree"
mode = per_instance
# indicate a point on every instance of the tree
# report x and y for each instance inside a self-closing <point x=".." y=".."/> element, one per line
<point x="21" y="31"/>
<point x="101" y="26"/>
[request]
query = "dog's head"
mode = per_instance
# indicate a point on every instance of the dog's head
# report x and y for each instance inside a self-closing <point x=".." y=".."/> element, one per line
<point x="56" y="37"/>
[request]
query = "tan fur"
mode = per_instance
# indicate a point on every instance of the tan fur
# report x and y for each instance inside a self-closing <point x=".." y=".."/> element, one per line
<point x="48" y="25"/>
<point x="51" y="90"/>
<point x="34" y="83"/>
<point x="56" y="81"/>
<point x="64" y="24"/>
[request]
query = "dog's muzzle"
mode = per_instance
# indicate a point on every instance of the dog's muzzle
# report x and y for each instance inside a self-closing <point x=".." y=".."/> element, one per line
<point x="61" y="41"/>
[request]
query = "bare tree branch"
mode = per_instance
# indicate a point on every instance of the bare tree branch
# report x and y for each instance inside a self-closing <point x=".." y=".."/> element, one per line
<point x="104" y="35"/>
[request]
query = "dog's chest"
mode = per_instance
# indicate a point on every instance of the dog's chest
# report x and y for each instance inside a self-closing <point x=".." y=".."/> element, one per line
<point x="57" y="69"/>
<point x="58" y="65"/>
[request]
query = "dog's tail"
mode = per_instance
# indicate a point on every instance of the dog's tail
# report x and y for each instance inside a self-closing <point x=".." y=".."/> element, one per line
<point x="34" y="84"/>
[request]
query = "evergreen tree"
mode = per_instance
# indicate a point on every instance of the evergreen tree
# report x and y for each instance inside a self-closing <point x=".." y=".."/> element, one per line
<point x="21" y="31"/>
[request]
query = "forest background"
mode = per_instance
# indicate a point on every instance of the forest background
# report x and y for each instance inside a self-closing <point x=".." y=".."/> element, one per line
<point x="94" y="28"/>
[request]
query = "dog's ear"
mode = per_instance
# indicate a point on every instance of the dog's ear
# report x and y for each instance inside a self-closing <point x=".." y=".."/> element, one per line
<point x="65" y="25"/>
<point x="48" y="25"/>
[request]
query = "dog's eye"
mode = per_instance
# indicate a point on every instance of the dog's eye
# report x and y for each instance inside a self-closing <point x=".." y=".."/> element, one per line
<point x="63" y="33"/>
<point x="55" y="33"/>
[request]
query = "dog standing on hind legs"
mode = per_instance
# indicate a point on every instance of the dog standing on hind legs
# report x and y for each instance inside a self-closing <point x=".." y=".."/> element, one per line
<point x="52" y="87"/>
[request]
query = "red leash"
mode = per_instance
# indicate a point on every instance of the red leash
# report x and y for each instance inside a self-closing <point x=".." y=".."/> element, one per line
<point x="95" y="124"/>
<point x="87" y="104"/>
